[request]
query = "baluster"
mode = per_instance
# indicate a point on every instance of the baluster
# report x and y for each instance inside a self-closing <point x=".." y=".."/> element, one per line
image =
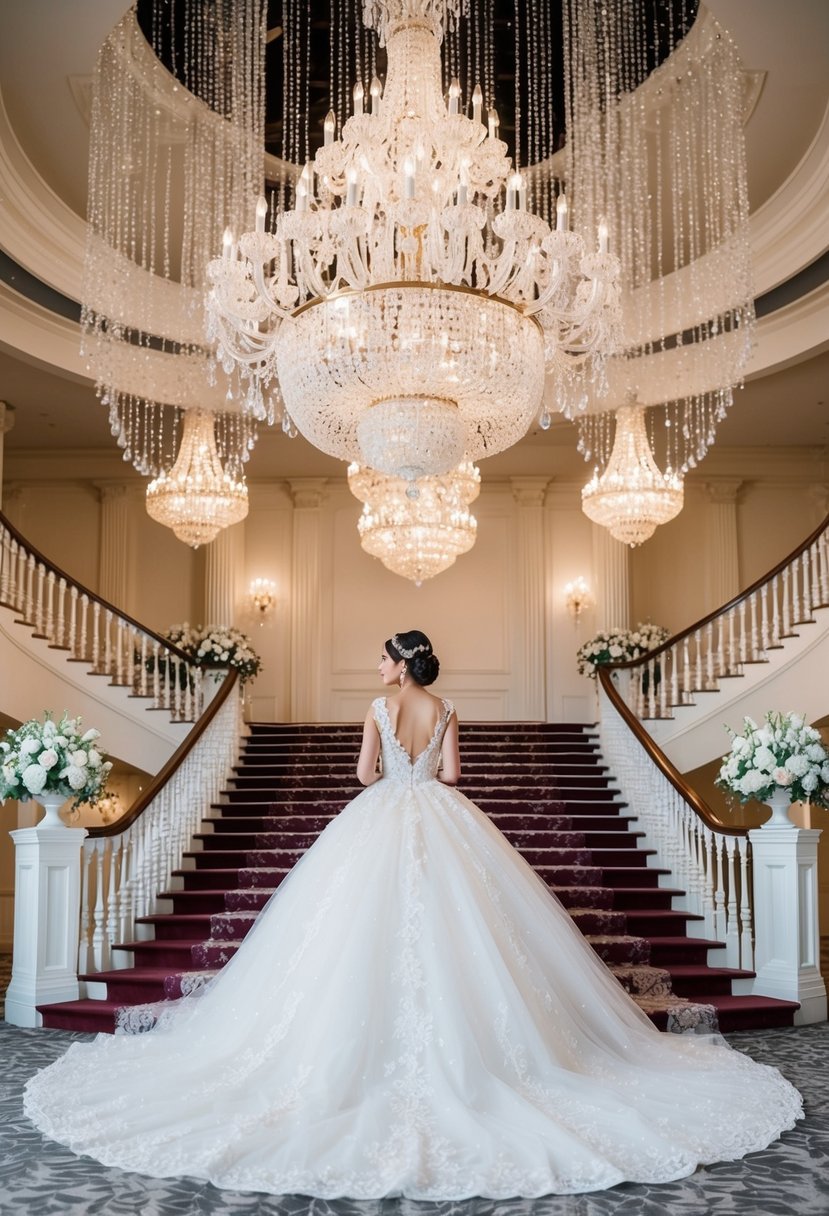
<point x="7" y="568"/>
<point x="60" y="626"/>
<point x="29" y="609"/>
<point x="40" y="601"/>
<point x="107" y="639"/>
<point x="709" y="881"/>
<point x="662" y="664"/>
<point x="698" y="683"/>
<point x="72" y="640"/>
<point x="775" y="611"/>
<point x="121" y="632"/>
<point x="805" y="586"/>
<point x="177" y="688"/>
<point x="111" y="924"/>
<point x="84" y="605"/>
<point x="814" y="579"/>
<point x="674" y="675"/>
<point x="746" y="918"/>
<point x="764" y="617"/>
<point x="732" y="650"/>
<point x="126" y="889"/>
<point x="142" y="686"/>
<point x="85" y="960"/>
<point x="743" y="637"/>
<point x="98" y="911"/>
<point x="710" y="682"/>
<point x="686" y="673"/>
<point x="755" y="637"/>
<point x="732" y="929"/>
<point x="156" y="673"/>
<point x="823" y="549"/>
<point x="96" y="636"/>
<point x="787" y="616"/>
<point x="50" y="606"/>
<point x="717" y="880"/>
<point x="22" y="576"/>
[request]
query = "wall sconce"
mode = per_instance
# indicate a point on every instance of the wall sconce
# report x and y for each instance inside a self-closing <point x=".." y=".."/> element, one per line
<point x="262" y="596"/>
<point x="578" y="598"/>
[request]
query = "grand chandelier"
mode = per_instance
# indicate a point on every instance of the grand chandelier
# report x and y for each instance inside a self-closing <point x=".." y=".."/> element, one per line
<point x="632" y="496"/>
<point x="197" y="497"/>
<point x="416" y="531"/>
<point x="410" y="302"/>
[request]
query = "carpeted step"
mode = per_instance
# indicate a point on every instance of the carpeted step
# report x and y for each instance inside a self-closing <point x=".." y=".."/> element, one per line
<point x="700" y="981"/>
<point x="681" y="949"/>
<point x="620" y="948"/>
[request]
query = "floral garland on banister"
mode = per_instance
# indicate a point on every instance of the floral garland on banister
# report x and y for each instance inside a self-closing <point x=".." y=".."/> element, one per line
<point x="217" y="646"/>
<point x="784" y="753"/>
<point x="52" y="758"/>
<point x="619" y="645"/>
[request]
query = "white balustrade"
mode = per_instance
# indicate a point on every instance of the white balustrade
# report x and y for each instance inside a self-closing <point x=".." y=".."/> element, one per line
<point x="711" y="866"/>
<point x="123" y="873"/>
<point x="741" y="633"/>
<point x="72" y="619"/>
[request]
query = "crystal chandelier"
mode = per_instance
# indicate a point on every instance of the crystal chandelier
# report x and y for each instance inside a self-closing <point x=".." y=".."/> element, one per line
<point x="409" y="303"/>
<point x="176" y="138"/>
<point x="197" y="497"/>
<point x="416" y="530"/>
<point x="632" y="497"/>
<point x="662" y="157"/>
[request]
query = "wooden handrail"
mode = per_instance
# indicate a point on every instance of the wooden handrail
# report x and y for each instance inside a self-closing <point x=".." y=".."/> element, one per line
<point x="176" y="760"/>
<point x="642" y="659"/>
<point x="697" y="804"/>
<point x="70" y="581"/>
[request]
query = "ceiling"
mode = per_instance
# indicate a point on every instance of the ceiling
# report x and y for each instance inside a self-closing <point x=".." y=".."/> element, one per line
<point x="47" y="53"/>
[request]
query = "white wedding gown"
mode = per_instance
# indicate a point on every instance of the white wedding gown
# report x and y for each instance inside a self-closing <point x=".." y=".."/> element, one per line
<point x="412" y="1014"/>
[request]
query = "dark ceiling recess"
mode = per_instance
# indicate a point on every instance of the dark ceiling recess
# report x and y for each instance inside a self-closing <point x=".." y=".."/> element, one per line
<point x="162" y="21"/>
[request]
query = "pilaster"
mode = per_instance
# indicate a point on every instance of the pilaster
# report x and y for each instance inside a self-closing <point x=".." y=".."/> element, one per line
<point x="611" y="577"/>
<point x="309" y="494"/>
<point x="114" y="552"/>
<point x="223" y="564"/>
<point x="531" y="597"/>
<point x="723" y="564"/>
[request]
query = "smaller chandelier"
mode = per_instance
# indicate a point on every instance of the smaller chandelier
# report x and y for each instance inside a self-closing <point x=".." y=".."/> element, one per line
<point x="632" y="497"/>
<point x="416" y="529"/>
<point x="197" y="497"/>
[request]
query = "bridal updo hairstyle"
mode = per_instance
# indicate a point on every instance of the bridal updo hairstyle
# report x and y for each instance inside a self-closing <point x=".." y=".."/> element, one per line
<point x="423" y="666"/>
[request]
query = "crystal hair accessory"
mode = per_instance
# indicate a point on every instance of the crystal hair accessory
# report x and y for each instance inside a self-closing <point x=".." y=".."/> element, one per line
<point x="407" y="654"/>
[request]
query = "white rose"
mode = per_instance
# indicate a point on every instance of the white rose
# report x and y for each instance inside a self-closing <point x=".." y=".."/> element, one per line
<point x="91" y="735"/>
<point x="49" y="728"/>
<point x="48" y="759"/>
<point x="93" y="758"/>
<point x="78" y="759"/>
<point x="782" y="776"/>
<point x="29" y="746"/>
<point x="764" y="736"/>
<point x="105" y="769"/>
<point x="615" y="651"/>
<point x="815" y="751"/>
<point x="34" y="778"/>
<point x="809" y="783"/>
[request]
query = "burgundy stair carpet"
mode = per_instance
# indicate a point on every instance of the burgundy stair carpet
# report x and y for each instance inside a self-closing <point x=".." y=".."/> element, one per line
<point x="545" y="787"/>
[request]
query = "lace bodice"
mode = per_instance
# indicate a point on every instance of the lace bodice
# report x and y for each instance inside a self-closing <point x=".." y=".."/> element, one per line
<point x="397" y="763"/>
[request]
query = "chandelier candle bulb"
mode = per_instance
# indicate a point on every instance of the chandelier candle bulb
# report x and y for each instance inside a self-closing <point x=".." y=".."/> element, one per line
<point x="328" y="128"/>
<point x="408" y="179"/>
<point x="351" y="197"/>
<point x="261" y="214"/>
<point x="227" y="244"/>
<point x="359" y="94"/>
<point x="454" y="96"/>
<point x="603" y="235"/>
<point x="376" y="91"/>
<point x="561" y="213"/>
<point x="477" y="103"/>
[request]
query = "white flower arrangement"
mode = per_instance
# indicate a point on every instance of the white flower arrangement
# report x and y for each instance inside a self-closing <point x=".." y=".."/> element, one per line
<point x="217" y="646"/>
<point x="619" y="645"/>
<point x="783" y="753"/>
<point x="52" y="758"/>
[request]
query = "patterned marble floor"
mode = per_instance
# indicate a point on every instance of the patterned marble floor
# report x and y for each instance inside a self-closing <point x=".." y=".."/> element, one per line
<point x="41" y="1178"/>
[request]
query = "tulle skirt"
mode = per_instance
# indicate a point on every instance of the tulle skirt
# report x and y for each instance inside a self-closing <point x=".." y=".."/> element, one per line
<point x="413" y="1014"/>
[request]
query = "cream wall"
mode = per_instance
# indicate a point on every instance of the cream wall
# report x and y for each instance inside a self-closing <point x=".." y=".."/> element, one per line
<point x="497" y="617"/>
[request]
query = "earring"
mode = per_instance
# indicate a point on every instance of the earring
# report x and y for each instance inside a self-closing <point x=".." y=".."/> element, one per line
<point x="403" y="675"/>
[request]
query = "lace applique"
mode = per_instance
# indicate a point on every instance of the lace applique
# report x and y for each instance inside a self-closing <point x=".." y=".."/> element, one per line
<point x="397" y="764"/>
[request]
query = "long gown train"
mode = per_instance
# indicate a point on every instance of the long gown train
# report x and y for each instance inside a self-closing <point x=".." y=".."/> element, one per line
<point x="414" y="1014"/>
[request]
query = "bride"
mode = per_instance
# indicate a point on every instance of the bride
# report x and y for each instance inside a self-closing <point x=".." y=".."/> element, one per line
<point x="413" y="1014"/>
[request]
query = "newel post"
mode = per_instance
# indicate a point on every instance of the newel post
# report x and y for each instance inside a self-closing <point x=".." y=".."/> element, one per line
<point x="787" y="941"/>
<point x="47" y="896"/>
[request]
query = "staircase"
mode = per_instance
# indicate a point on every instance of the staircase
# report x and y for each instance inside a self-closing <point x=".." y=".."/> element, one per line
<point x="545" y="787"/>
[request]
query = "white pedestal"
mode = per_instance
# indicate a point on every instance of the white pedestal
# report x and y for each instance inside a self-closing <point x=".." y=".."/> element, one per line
<point x="47" y="896"/>
<point x="787" y="941"/>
